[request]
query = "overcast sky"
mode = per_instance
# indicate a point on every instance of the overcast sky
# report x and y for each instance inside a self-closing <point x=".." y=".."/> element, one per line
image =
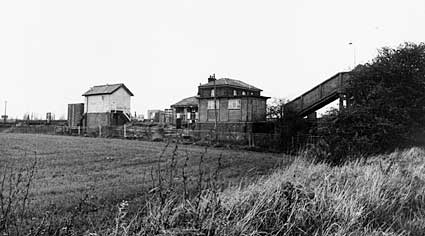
<point x="51" y="52"/>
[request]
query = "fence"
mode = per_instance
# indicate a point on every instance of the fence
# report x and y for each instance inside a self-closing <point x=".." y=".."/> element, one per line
<point x="268" y="141"/>
<point x="38" y="129"/>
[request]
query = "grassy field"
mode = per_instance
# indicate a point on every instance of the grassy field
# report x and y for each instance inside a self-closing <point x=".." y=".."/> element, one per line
<point x="102" y="172"/>
<point x="379" y="196"/>
<point x="88" y="186"/>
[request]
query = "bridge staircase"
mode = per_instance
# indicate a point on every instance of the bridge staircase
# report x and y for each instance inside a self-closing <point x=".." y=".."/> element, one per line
<point x="320" y="96"/>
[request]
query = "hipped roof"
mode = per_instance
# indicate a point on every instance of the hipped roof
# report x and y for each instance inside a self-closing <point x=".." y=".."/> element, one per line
<point x="187" y="102"/>
<point x="231" y="83"/>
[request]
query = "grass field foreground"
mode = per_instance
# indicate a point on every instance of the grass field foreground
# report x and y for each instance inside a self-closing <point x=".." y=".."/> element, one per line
<point x="79" y="181"/>
<point x="381" y="195"/>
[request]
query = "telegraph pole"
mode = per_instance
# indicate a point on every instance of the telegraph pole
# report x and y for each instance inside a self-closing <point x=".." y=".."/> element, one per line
<point x="215" y="108"/>
<point x="215" y="103"/>
<point x="5" y="114"/>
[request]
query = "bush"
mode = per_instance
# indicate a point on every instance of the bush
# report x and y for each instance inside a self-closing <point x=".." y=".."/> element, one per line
<point x="386" y="106"/>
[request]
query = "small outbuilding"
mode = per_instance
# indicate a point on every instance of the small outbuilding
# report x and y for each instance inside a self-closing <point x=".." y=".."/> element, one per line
<point x="186" y="111"/>
<point x="107" y="105"/>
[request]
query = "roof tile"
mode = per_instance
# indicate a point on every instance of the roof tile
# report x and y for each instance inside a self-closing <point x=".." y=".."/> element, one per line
<point x="105" y="89"/>
<point x="230" y="82"/>
<point x="190" y="101"/>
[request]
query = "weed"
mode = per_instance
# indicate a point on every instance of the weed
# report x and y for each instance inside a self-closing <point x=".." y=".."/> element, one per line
<point x="15" y="184"/>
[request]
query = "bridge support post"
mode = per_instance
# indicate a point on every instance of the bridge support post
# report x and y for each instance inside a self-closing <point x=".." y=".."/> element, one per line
<point x="342" y="99"/>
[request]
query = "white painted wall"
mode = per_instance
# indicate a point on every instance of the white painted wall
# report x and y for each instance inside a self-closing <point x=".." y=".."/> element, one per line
<point x="119" y="100"/>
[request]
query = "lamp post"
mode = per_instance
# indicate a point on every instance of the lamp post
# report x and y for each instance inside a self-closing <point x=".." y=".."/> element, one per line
<point x="354" y="53"/>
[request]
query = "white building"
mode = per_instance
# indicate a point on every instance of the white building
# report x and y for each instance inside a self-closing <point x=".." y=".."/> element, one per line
<point x="107" y="105"/>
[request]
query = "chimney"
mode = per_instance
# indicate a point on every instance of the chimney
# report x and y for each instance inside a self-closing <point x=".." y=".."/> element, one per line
<point x="211" y="78"/>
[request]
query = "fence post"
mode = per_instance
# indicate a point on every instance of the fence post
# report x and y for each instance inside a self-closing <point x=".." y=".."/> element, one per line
<point x="100" y="131"/>
<point x="125" y="131"/>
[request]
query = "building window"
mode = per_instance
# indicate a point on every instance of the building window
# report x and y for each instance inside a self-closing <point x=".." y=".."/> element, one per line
<point x="212" y="93"/>
<point x="234" y="104"/>
<point x="235" y="93"/>
<point x="243" y="93"/>
<point x="211" y="105"/>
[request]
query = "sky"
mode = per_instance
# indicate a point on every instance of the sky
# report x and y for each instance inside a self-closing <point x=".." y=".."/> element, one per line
<point x="51" y="52"/>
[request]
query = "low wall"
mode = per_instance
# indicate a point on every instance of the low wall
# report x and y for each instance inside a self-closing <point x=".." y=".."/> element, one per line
<point x="98" y="119"/>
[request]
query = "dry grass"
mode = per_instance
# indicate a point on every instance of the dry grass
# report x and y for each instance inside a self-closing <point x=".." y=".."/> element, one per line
<point x="184" y="190"/>
<point x="381" y="196"/>
<point x="79" y="181"/>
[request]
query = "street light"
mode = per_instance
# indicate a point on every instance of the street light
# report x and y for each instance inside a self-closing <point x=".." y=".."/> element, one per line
<point x="354" y="53"/>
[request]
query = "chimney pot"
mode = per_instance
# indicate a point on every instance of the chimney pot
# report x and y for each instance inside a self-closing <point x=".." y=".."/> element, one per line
<point x="211" y="78"/>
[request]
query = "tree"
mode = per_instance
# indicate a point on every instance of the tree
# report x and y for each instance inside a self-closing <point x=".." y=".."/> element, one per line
<point x="275" y="108"/>
<point x="387" y="105"/>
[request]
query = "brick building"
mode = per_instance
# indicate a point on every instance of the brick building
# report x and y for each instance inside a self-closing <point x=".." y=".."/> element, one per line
<point x="231" y="105"/>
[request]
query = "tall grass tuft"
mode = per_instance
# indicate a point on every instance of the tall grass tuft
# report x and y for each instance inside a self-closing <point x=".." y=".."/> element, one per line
<point x="15" y="185"/>
<point x="382" y="195"/>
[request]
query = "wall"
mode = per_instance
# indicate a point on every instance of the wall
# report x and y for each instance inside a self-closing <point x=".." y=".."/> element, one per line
<point x="225" y="92"/>
<point x="223" y="115"/>
<point x="119" y="100"/>
<point x="260" y="113"/>
<point x="203" y="107"/>
<point x="75" y="114"/>
<point x="252" y="109"/>
<point x="97" y="103"/>
<point x="183" y="113"/>
<point x="98" y="119"/>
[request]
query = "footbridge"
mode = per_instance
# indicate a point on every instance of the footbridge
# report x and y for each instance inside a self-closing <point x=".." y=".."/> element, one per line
<point x="321" y="95"/>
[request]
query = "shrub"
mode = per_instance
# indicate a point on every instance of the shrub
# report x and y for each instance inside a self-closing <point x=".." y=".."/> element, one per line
<point x="386" y="105"/>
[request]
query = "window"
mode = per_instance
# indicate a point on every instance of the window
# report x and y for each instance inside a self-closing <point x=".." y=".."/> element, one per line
<point x="243" y="93"/>
<point x="212" y="93"/>
<point x="235" y="93"/>
<point x="211" y="105"/>
<point x="234" y="104"/>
